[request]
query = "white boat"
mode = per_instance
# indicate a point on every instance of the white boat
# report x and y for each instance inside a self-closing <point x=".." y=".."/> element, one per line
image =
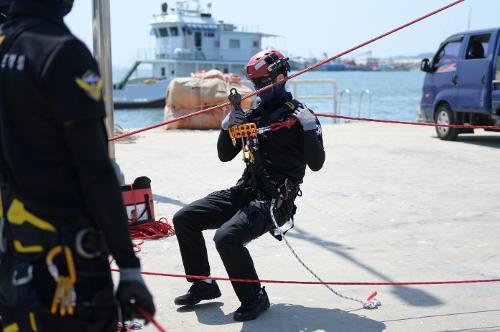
<point x="187" y="40"/>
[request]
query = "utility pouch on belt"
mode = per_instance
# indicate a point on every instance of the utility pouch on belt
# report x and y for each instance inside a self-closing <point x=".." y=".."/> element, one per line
<point x="138" y="200"/>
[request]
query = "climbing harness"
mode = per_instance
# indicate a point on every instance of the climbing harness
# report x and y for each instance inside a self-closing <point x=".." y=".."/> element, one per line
<point x="370" y="303"/>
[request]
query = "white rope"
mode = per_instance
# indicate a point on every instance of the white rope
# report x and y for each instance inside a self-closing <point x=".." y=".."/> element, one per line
<point x="373" y="303"/>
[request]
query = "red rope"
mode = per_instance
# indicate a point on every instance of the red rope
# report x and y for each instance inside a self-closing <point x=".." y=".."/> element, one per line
<point x="151" y="230"/>
<point x="150" y="319"/>
<point x="290" y="77"/>
<point x="338" y="283"/>
<point x="408" y="122"/>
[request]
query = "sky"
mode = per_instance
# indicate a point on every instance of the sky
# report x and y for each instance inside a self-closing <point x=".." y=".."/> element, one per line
<point x="307" y="28"/>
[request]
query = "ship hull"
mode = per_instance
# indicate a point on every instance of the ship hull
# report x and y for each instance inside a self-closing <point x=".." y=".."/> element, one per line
<point x="141" y="95"/>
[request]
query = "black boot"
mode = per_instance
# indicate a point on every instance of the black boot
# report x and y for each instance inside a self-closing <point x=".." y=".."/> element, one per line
<point x="252" y="310"/>
<point x="200" y="290"/>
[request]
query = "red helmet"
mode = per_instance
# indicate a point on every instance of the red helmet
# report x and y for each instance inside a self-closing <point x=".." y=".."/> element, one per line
<point x="267" y="63"/>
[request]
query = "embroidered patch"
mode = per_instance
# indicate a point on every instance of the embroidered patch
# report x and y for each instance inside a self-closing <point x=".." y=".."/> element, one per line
<point x="290" y="105"/>
<point x="2" y="38"/>
<point x="92" y="84"/>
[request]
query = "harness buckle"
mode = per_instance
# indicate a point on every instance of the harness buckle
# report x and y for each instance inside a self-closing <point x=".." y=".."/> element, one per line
<point x="85" y="238"/>
<point x="22" y="275"/>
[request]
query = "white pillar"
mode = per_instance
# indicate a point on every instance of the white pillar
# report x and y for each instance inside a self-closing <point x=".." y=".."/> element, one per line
<point x="102" y="52"/>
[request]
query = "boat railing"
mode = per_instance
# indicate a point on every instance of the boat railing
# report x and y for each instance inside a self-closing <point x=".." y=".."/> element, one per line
<point x="194" y="53"/>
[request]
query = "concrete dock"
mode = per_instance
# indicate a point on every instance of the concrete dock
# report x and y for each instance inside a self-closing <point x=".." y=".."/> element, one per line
<point x="392" y="203"/>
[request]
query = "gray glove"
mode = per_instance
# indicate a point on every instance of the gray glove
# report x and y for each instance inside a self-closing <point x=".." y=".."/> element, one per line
<point x="235" y="117"/>
<point x="306" y="118"/>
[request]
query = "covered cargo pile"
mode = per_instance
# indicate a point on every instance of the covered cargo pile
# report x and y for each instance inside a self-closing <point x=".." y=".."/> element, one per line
<point x="202" y="90"/>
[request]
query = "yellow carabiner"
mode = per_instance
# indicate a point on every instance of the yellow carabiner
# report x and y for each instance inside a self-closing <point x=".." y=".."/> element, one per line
<point x="64" y="295"/>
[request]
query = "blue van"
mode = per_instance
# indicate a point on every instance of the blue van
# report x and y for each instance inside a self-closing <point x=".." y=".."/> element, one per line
<point x="462" y="84"/>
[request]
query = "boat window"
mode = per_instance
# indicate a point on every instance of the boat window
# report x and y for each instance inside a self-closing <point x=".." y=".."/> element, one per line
<point x="163" y="71"/>
<point x="256" y="44"/>
<point x="209" y="34"/>
<point x="447" y="57"/>
<point x="234" y="43"/>
<point x="217" y="44"/>
<point x="174" y="31"/>
<point x="186" y="31"/>
<point x="478" y="47"/>
<point x="163" y="32"/>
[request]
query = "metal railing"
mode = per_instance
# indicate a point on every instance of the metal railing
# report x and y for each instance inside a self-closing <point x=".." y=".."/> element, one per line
<point x="360" y="102"/>
<point x="332" y="83"/>
<point x="342" y="93"/>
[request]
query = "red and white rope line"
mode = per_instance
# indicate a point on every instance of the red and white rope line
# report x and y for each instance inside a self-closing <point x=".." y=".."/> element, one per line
<point x="337" y="283"/>
<point x="213" y="108"/>
<point x="407" y="122"/>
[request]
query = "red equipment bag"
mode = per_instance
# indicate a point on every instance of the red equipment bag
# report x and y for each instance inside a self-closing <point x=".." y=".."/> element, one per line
<point x="138" y="200"/>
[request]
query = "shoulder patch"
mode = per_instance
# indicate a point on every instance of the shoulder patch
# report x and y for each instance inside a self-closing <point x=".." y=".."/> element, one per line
<point x="2" y="38"/>
<point x="92" y="84"/>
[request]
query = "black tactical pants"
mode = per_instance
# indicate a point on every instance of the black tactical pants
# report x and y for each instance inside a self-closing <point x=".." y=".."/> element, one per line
<point x="239" y="217"/>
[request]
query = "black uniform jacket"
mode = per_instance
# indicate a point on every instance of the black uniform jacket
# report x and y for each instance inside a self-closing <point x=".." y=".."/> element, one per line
<point x="285" y="152"/>
<point x="53" y="141"/>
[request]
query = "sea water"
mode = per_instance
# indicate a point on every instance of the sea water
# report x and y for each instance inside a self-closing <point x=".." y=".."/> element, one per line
<point x="394" y="95"/>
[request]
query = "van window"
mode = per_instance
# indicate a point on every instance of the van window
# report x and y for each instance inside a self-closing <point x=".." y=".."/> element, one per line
<point x="478" y="47"/>
<point x="498" y="66"/>
<point x="163" y="32"/>
<point x="174" y="31"/>
<point x="448" y="55"/>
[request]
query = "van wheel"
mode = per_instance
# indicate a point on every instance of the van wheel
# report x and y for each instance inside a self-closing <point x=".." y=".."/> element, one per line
<point x="444" y="115"/>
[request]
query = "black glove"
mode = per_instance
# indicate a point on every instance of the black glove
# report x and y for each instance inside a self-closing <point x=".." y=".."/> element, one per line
<point x="235" y="117"/>
<point x="132" y="292"/>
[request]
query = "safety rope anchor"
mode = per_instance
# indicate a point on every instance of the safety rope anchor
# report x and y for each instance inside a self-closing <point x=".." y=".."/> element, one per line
<point x="372" y="302"/>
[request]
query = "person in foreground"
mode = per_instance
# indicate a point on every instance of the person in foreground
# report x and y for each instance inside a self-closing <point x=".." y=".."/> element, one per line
<point x="267" y="189"/>
<point x="61" y="209"/>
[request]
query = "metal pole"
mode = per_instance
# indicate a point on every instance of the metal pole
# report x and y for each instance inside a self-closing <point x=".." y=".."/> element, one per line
<point x="102" y="52"/>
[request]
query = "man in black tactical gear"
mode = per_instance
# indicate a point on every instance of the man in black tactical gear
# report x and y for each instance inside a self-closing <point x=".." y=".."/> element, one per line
<point x="62" y="213"/>
<point x="267" y="190"/>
